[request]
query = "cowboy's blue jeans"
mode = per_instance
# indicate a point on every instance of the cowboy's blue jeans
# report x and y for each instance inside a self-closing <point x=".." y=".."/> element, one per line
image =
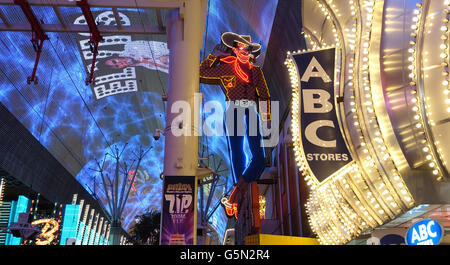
<point x="244" y="142"/>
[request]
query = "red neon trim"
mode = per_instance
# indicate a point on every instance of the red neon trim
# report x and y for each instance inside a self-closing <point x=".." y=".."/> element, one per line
<point x="232" y="211"/>
<point x="237" y="69"/>
<point x="228" y="59"/>
<point x="240" y="73"/>
<point x="244" y="60"/>
<point x="229" y="211"/>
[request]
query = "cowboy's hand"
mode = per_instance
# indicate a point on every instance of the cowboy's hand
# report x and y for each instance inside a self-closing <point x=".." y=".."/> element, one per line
<point x="221" y="51"/>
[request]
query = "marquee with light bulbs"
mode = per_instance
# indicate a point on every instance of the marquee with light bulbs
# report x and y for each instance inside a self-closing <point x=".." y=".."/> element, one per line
<point x="392" y="82"/>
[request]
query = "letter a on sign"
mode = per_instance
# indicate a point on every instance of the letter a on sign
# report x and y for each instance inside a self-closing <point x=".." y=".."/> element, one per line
<point x="314" y="64"/>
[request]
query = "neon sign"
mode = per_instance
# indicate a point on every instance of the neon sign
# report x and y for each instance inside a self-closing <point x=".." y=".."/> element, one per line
<point x="237" y="68"/>
<point x="230" y="208"/>
<point x="47" y="232"/>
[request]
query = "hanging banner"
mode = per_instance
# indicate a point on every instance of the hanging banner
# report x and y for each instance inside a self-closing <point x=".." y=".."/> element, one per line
<point x="178" y="212"/>
<point x="323" y="144"/>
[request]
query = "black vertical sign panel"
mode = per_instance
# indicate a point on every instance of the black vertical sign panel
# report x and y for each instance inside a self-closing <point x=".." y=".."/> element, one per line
<point x="178" y="212"/>
<point x="323" y="144"/>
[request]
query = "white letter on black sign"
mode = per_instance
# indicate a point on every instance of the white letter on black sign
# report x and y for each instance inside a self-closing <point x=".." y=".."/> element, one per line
<point x="323" y="100"/>
<point x="311" y="134"/>
<point x="320" y="72"/>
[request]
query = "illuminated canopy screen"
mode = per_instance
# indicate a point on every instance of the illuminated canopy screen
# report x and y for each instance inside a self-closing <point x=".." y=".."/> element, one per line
<point x="77" y="123"/>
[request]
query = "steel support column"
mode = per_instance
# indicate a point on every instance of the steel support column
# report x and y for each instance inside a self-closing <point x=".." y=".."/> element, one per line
<point x="185" y="33"/>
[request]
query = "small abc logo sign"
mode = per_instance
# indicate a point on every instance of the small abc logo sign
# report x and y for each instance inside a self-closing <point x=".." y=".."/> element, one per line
<point x="425" y="232"/>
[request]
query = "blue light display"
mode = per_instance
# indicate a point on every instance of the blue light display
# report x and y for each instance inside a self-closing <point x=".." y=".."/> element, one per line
<point x="63" y="113"/>
<point x="20" y="206"/>
<point x="145" y="192"/>
<point x="77" y="124"/>
<point x="71" y="216"/>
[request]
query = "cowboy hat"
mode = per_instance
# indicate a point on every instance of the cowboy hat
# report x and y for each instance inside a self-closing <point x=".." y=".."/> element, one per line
<point x="229" y="39"/>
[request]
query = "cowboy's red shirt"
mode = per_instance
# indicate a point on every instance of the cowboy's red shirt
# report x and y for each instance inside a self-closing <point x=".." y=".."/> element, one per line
<point x="216" y="72"/>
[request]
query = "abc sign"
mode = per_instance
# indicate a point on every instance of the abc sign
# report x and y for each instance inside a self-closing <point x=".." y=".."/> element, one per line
<point x="425" y="232"/>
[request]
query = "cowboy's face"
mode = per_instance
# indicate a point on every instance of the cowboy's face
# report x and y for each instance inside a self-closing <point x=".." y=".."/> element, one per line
<point x="242" y="52"/>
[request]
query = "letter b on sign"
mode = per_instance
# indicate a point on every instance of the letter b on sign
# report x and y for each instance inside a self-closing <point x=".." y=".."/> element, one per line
<point x="423" y="232"/>
<point x="310" y="102"/>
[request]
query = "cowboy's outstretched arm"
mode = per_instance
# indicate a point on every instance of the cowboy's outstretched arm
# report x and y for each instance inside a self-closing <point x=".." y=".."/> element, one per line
<point x="264" y="96"/>
<point x="208" y="67"/>
<point x="210" y="71"/>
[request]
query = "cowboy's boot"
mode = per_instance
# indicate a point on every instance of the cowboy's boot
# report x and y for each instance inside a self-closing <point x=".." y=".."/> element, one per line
<point x="239" y="192"/>
<point x="234" y="201"/>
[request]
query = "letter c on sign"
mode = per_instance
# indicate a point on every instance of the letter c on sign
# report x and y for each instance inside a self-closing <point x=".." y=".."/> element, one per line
<point x="431" y="233"/>
<point x="311" y="133"/>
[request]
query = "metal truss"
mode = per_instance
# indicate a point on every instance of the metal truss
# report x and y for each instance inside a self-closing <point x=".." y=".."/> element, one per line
<point x="38" y="38"/>
<point x="113" y="4"/>
<point x="146" y="4"/>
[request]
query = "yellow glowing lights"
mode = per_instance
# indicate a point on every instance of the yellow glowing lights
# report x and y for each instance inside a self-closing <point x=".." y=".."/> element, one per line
<point x="356" y="197"/>
<point x="262" y="206"/>
<point x="310" y="40"/>
<point x="429" y="150"/>
<point x="444" y="47"/>
<point x="417" y="111"/>
<point x="378" y="149"/>
<point x="2" y="188"/>
<point x="48" y="231"/>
